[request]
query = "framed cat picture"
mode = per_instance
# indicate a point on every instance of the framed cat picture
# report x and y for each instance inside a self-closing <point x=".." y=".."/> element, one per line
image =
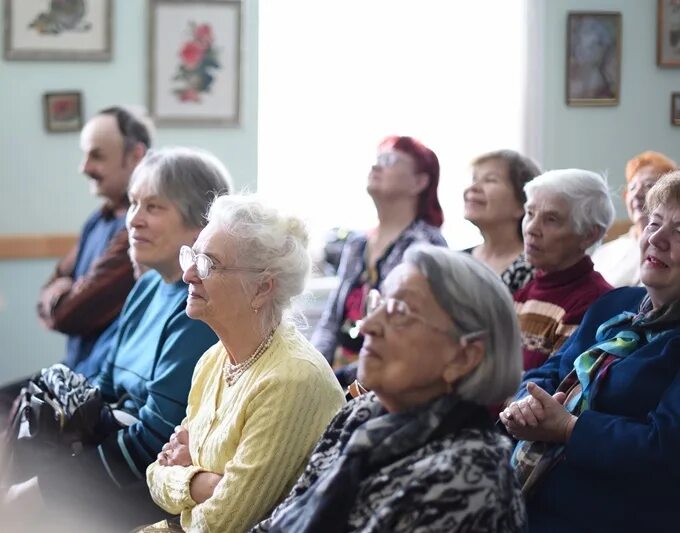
<point x="64" y="30"/>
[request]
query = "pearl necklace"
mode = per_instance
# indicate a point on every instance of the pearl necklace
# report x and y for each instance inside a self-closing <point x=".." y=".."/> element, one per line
<point x="232" y="372"/>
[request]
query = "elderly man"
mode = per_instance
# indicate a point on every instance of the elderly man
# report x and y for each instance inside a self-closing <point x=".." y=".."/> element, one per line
<point x="567" y="212"/>
<point x="89" y="286"/>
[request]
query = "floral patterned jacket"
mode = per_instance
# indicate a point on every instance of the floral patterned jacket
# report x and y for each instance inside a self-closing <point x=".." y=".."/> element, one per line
<point x="325" y="338"/>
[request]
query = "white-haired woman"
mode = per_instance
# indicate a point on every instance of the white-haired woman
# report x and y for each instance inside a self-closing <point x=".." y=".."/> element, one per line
<point x="148" y="365"/>
<point x="262" y="396"/>
<point x="419" y="452"/>
<point x="567" y="212"/>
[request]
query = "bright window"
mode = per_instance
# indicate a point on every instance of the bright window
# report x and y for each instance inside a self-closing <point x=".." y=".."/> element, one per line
<point x="335" y="77"/>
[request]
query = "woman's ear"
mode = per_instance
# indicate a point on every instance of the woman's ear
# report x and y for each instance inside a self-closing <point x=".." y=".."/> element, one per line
<point x="590" y="238"/>
<point x="469" y="356"/>
<point x="263" y="292"/>
<point x="421" y="182"/>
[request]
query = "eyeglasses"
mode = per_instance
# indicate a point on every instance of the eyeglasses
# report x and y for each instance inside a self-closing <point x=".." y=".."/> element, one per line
<point x="387" y="159"/>
<point x="189" y="258"/>
<point x="400" y="315"/>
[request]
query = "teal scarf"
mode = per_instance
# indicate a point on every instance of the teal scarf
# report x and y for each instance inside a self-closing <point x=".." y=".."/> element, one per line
<point x="533" y="459"/>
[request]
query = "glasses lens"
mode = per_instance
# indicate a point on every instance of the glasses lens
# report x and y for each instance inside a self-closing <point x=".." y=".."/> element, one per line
<point x="185" y="259"/>
<point x="203" y="265"/>
<point x="373" y="301"/>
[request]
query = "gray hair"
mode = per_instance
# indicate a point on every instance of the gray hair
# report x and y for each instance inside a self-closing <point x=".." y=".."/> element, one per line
<point x="476" y="300"/>
<point x="585" y="192"/>
<point x="268" y="239"/>
<point x="188" y="177"/>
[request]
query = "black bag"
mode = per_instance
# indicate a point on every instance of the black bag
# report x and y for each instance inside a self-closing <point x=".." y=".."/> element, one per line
<point x="47" y="424"/>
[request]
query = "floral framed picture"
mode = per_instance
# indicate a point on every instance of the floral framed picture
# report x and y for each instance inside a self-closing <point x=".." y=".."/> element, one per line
<point x="64" y="30"/>
<point x="195" y="62"/>
<point x="63" y="111"/>
<point x="668" y="33"/>
<point x="593" y="58"/>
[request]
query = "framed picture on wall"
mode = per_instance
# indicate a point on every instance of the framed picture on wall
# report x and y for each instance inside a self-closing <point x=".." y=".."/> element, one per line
<point x="67" y="30"/>
<point x="593" y="58"/>
<point x="668" y="33"/>
<point x="195" y="63"/>
<point x="675" y="109"/>
<point x="63" y="111"/>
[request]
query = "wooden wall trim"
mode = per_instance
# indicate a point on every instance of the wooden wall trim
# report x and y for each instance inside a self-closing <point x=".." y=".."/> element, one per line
<point x="36" y="246"/>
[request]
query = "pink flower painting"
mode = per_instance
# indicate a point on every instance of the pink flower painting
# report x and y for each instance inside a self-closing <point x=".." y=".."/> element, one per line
<point x="197" y="64"/>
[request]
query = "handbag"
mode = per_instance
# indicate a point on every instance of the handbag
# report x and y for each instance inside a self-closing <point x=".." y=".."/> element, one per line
<point x="57" y="413"/>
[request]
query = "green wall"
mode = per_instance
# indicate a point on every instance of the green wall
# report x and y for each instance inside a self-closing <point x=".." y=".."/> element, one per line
<point x="604" y="138"/>
<point x="42" y="191"/>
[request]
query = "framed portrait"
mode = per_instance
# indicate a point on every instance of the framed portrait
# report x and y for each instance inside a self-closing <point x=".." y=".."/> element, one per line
<point x="593" y="58"/>
<point x="65" y="30"/>
<point x="195" y="63"/>
<point x="675" y="109"/>
<point x="63" y="111"/>
<point x="668" y="33"/>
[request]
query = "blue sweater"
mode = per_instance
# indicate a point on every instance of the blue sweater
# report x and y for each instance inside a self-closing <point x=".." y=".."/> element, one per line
<point x="94" y="239"/>
<point x="150" y="366"/>
<point x="622" y="463"/>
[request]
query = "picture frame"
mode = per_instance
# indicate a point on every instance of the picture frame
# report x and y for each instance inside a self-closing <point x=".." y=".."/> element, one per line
<point x="675" y="109"/>
<point x="593" y="76"/>
<point x="75" y="30"/>
<point x="63" y="111"/>
<point x="668" y="33"/>
<point x="195" y="62"/>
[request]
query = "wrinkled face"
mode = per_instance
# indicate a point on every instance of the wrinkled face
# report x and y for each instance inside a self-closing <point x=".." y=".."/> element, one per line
<point x="406" y="364"/>
<point x="637" y="189"/>
<point x="490" y="198"/>
<point x="221" y="297"/>
<point x="660" y="255"/>
<point x="156" y="231"/>
<point x="103" y="162"/>
<point x="550" y="241"/>
<point x="394" y="175"/>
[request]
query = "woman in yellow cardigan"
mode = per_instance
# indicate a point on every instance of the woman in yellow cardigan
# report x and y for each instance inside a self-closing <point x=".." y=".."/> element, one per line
<point x="262" y="396"/>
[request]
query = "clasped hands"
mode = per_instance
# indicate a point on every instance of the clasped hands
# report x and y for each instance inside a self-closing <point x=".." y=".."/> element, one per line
<point x="539" y="417"/>
<point x="175" y="452"/>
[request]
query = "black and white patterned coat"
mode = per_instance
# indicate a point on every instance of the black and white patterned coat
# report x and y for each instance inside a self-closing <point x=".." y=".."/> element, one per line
<point x="453" y="484"/>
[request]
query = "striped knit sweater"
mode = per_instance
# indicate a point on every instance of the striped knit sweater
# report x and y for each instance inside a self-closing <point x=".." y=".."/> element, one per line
<point x="257" y="433"/>
<point x="551" y="306"/>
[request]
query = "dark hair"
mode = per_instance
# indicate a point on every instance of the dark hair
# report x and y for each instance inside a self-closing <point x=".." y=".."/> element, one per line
<point x="426" y="162"/>
<point x="521" y="170"/>
<point x="131" y="128"/>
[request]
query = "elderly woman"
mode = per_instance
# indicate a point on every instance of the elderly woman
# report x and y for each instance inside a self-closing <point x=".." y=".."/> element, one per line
<point x="148" y="369"/>
<point x="262" y="396"/>
<point x="600" y="421"/>
<point x="494" y="202"/>
<point x="419" y="452"/>
<point x="619" y="260"/>
<point x="567" y="211"/>
<point x="403" y="186"/>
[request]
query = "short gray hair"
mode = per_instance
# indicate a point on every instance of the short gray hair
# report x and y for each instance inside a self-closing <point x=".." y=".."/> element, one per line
<point x="475" y="299"/>
<point x="188" y="177"/>
<point x="268" y="239"/>
<point x="585" y="192"/>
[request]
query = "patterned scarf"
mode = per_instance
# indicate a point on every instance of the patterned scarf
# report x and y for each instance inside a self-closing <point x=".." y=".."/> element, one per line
<point x="381" y="439"/>
<point x="532" y="460"/>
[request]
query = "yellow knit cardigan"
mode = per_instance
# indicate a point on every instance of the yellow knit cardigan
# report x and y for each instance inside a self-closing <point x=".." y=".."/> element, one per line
<point x="258" y="433"/>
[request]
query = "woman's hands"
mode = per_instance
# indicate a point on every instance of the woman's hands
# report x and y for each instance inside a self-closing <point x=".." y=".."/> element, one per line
<point x="175" y="452"/>
<point x="539" y="417"/>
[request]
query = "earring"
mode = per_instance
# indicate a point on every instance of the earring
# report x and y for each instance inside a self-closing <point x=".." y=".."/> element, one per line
<point x="256" y="309"/>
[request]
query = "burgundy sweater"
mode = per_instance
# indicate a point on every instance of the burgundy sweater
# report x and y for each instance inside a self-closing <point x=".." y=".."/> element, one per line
<point x="551" y="306"/>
